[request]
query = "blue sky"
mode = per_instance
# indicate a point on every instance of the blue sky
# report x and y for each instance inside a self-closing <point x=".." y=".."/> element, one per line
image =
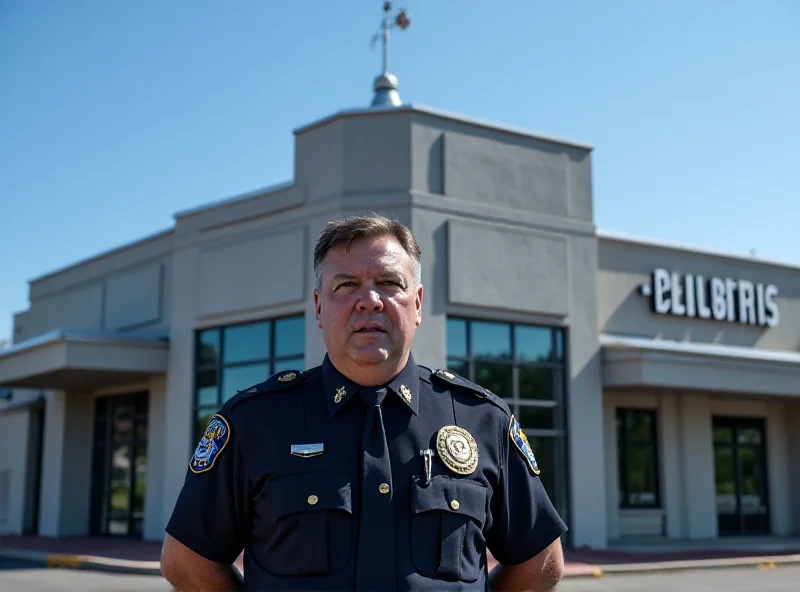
<point x="116" y="115"/>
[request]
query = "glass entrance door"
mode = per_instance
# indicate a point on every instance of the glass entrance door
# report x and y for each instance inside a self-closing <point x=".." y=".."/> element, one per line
<point x="741" y="476"/>
<point x="119" y="471"/>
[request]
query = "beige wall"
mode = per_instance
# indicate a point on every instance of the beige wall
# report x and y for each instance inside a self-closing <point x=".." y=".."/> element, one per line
<point x="67" y="464"/>
<point x="124" y="290"/>
<point x="622" y="310"/>
<point x="15" y="427"/>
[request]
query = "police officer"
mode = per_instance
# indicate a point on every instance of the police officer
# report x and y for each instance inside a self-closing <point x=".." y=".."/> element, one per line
<point x="370" y="471"/>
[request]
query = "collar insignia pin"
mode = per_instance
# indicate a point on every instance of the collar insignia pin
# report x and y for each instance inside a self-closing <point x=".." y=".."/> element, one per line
<point x="405" y="393"/>
<point x="340" y="393"/>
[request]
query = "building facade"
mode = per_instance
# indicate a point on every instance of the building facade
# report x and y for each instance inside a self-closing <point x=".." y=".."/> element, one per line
<point x="659" y="385"/>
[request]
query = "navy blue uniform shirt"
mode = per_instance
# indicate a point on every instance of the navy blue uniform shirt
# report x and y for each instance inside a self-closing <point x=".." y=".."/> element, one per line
<point x="278" y="474"/>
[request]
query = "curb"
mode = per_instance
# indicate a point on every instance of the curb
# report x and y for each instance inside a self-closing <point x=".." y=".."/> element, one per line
<point x="87" y="562"/>
<point x="764" y="562"/>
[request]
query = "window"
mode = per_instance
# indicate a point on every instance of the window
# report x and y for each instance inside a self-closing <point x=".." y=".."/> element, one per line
<point x="638" y="458"/>
<point x="525" y="365"/>
<point x="228" y="359"/>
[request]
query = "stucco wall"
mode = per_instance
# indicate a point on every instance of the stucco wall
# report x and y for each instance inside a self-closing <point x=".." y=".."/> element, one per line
<point x="52" y="463"/>
<point x="624" y="266"/>
<point x="15" y="427"/>
<point x="124" y="290"/>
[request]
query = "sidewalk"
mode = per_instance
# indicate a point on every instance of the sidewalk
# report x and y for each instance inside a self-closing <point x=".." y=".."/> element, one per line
<point x="142" y="557"/>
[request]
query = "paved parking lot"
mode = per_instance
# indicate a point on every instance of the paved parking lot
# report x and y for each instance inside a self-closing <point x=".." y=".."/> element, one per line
<point x="19" y="575"/>
<point x="749" y="579"/>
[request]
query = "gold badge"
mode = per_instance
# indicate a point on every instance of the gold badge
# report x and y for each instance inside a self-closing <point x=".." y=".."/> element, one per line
<point x="405" y="393"/>
<point x="287" y="377"/>
<point x="340" y="393"/>
<point x="457" y="449"/>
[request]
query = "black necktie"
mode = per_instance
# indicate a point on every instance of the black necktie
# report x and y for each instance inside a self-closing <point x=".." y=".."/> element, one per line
<point x="375" y="569"/>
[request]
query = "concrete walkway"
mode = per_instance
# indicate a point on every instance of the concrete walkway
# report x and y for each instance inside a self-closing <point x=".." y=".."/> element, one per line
<point x="142" y="557"/>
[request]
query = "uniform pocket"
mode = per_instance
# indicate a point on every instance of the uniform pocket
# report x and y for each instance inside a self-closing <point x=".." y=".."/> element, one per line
<point x="311" y="526"/>
<point x="447" y="528"/>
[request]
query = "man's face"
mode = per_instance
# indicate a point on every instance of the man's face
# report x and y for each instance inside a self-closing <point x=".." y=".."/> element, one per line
<point x="368" y="305"/>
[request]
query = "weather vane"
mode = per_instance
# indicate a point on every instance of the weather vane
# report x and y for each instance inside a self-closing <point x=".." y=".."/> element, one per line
<point x="385" y="85"/>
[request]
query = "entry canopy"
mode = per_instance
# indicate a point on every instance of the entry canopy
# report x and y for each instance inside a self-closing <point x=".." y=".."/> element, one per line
<point x="66" y="360"/>
<point x="634" y="362"/>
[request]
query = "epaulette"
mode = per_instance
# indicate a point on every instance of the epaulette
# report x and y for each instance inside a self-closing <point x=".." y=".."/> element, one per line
<point x="454" y="379"/>
<point x="277" y="382"/>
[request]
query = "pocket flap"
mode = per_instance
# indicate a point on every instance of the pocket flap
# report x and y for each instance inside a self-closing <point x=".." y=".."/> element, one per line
<point x="307" y="492"/>
<point x="451" y="495"/>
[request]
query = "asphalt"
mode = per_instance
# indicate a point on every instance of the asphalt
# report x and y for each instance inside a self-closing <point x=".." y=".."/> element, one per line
<point x="17" y="575"/>
<point x="579" y="564"/>
<point x="778" y="579"/>
<point x="30" y="576"/>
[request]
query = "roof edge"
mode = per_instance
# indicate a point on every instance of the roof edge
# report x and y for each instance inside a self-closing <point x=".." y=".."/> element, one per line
<point x="103" y="254"/>
<point x="442" y="114"/>
<point x="36" y="402"/>
<point x="675" y="246"/>
<point x="62" y="336"/>
<point x="739" y="352"/>
<point x="232" y="200"/>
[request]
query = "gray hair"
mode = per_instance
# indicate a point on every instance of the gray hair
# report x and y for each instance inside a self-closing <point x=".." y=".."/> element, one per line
<point x="344" y="230"/>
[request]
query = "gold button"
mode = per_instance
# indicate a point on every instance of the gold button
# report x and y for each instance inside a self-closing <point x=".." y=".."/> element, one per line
<point x="312" y="499"/>
<point x="384" y="488"/>
<point x="455" y="505"/>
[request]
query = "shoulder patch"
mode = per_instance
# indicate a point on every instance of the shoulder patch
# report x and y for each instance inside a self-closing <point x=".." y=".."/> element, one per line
<point x="521" y="442"/>
<point x="277" y="382"/>
<point x="211" y="445"/>
<point x="445" y="376"/>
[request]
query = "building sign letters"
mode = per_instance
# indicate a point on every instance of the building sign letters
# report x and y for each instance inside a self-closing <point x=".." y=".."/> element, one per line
<point x="721" y="299"/>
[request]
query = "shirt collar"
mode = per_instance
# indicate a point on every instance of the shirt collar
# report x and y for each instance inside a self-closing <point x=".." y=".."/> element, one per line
<point x="339" y="389"/>
<point x="406" y="385"/>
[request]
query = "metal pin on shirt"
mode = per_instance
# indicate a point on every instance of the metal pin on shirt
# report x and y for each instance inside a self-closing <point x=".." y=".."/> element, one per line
<point x="427" y="458"/>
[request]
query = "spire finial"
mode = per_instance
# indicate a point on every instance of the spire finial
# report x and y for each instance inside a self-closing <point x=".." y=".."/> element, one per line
<point x="385" y="85"/>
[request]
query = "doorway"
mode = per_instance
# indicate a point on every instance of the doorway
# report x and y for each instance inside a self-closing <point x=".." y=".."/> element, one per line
<point x="119" y="465"/>
<point x="740" y="467"/>
<point x="33" y="480"/>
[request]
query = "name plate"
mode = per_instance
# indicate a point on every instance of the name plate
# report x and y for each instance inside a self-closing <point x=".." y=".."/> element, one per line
<point x="307" y="450"/>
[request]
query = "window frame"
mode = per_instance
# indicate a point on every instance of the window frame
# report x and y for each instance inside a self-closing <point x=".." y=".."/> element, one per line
<point x="624" y="445"/>
<point x="559" y="363"/>
<point x="220" y="366"/>
<point x="558" y="343"/>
